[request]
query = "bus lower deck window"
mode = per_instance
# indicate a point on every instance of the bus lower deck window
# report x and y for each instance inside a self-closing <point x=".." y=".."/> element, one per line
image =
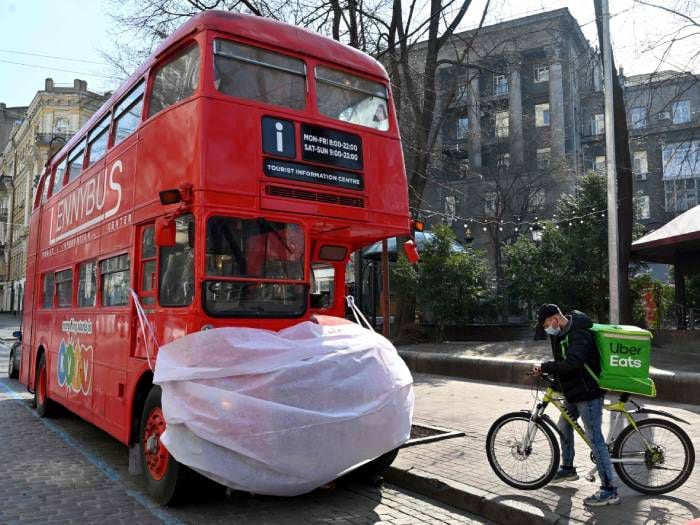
<point x="64" y="288"/>
<point x="87" y="284"/>
<point x="115" y="280"/>
<point x="176" y="282"/>
<point x="48" y="290"/>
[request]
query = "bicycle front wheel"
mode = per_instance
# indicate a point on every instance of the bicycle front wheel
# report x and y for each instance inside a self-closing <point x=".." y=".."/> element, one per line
<point x="526" y="464"/>
<point x="657" y="457"/>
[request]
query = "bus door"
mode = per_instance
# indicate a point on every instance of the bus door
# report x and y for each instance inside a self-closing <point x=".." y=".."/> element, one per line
<point x="146" y="288"/>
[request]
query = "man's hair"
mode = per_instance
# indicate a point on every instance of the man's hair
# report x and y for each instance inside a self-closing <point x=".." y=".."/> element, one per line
<point x="546" y="311"/>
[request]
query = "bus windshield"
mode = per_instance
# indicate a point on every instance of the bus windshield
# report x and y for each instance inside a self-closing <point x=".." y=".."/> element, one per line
<point x="249" y="250"/>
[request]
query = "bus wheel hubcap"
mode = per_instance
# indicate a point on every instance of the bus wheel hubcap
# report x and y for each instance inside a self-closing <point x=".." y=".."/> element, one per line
<point x="42" y="385"/>
<point x="155" y="454"/>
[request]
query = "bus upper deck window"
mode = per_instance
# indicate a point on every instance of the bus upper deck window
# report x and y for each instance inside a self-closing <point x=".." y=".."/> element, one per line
<point x="127" y="114"/>
<point x="98" y="140"/>
<point x="45" y="188"/>
<point x="175" y="81"/>
<point x="58" y="177"/>
<point x="257" y="74"/>
<point x="75" y="162"/>
<point x="346" y="97"/>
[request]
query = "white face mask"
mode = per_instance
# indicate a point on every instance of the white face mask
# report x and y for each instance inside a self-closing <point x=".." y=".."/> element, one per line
<point x="552" y="331"/>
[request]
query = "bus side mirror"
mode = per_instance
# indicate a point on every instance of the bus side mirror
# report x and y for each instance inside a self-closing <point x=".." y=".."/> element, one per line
<point x="411" y="252"/>
<point x="165" y="232"/>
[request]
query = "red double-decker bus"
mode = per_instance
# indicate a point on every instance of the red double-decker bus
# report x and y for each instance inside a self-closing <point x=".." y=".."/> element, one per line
<point x="226" y="183"/>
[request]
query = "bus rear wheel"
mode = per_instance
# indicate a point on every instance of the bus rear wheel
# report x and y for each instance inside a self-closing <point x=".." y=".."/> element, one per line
<point x="44" y="406"/>
<point x="165" y="477"/>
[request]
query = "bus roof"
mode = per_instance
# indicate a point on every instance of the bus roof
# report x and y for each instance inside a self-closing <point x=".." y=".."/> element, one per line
<point x="260" y="29"/>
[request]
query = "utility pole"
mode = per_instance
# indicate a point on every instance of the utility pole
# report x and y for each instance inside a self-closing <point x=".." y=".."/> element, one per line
<point x="385" y="287"/>
<point x="611" y="165"/>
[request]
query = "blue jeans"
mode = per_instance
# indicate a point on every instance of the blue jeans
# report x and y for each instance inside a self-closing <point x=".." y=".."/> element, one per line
<point x="591" y="413"/>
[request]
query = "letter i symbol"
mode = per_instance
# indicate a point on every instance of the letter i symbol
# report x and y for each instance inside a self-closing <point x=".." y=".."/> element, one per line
<point x="280" y="142"/>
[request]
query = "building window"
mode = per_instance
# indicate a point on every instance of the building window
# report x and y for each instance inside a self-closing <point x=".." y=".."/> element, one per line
<point x="598" y="124"/>
<point x="462" y="127"/>
<point x="462" y="167"/>
<point x="538" y="200"/>
<point x="542" y="115"/>
<point x="64" y="288"/>
<point x="638" y="118"/>
<point x="541" y="73"/>
<point x="503" y="160"/>
<point x="490" y="203"/>
<point x="681" y="194"/>
<point x="500" y="85"/>
<point x="599" y="164"/>
<point x="681" y="112"/>
<point x="681" y="160"/>
<point x="501" y="124"/>
<point x="544" y="157"/>
<point x="61" y="125"/>
<point x="450" y="208"/>
<point x="641" y="206"/>
<point x="461" y="93"/>
<point x="640" y="165"/>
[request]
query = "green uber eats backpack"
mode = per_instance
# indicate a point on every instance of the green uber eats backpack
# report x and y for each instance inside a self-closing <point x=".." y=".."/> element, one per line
<point x="625" y="355"/>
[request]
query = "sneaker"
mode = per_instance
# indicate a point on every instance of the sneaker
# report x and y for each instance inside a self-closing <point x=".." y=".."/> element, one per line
<point x="603" y="497"/>
<point x="565" y="474"/>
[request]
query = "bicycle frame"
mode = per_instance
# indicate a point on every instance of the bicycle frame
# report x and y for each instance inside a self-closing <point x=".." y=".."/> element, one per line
<point x="553" y="397"/>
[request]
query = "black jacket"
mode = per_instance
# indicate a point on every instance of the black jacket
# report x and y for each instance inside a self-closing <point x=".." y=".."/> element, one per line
<point x="576" y="382"/>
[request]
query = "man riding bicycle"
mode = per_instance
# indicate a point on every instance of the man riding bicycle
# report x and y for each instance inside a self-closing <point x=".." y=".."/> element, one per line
<point x="574" y="350"/>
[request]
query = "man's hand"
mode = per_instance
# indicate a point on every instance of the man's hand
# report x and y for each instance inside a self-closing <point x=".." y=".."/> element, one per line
<point x="537" y="369"/>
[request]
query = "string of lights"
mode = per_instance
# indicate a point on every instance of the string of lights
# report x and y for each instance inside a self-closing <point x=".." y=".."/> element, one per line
<point x="537" y="223"/>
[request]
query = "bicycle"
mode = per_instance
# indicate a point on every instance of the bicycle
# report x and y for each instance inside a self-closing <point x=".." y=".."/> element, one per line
<point x="641" y="453"/>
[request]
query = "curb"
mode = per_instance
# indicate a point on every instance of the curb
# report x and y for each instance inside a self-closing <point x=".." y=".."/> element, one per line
<point x="676" y="387"/>
<point x="471" y="499"/>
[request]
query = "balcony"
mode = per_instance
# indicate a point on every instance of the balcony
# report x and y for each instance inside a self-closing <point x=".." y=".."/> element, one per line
<point x="44" y="139"/>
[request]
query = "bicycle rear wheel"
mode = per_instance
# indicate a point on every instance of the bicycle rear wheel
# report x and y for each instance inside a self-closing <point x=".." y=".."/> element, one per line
<point x="525" y="468"/>
<point x="664" y="453"/>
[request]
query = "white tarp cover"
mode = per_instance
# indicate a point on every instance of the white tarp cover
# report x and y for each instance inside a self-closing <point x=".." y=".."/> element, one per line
<point x="282" y="413"/>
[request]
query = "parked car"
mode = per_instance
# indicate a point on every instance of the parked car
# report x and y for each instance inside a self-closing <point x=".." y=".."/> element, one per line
<point x="15" y="356"/>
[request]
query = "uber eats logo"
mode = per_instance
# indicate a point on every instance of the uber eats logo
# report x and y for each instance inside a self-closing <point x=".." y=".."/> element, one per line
<point x="623" y="356"/>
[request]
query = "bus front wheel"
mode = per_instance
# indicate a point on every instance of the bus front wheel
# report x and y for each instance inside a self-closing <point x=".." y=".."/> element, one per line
<point x="164" y="476"/>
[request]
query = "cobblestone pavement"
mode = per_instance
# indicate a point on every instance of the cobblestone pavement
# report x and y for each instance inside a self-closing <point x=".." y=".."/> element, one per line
<point x="473" y="407"/>
<point x="64" y="470"/>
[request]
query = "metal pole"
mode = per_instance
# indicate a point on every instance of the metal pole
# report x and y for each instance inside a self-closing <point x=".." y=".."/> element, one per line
<point x="610" y="161"/>
<point x="385" y="287"/>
